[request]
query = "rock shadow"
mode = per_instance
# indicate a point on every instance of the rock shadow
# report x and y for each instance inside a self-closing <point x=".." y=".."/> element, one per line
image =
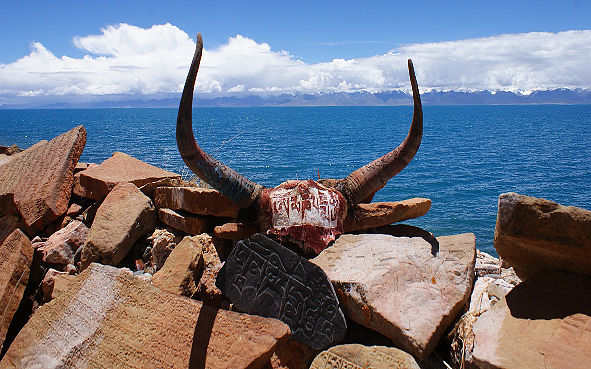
<point x="551" y="295"/>
<point x="201" y="337"/>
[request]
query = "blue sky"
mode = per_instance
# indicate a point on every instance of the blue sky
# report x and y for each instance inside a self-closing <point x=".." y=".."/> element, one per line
<point x="50" y="50"/>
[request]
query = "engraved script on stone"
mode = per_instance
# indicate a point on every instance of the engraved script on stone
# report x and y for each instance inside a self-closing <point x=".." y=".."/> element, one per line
<point x="265" y="278"/>
<point x="304" y="210"/>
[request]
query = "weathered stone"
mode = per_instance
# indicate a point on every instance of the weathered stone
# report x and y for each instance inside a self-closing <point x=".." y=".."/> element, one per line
<point x="8" y="224"/>
<point x="163" y="242"/>
<point x="149" y="188"/>
<point x="196" y="200"/>
<point x="37" y="182"/>
<point x="125" y="215"/>
<point x="182" y="269"/>
<point x="292" y="355"/>
<point x="16" y="255"/>
<point x="61" y="246"/>
<point x="188" y="223"/>
<point x="535" y="235"/>
<point x="97" y="181"/>
<point x="207" y="291"/>
<point x="542" y="323"/>
<point x="377" y="214"/>
<point x="267" y="279"/>
<point x="236" y="231"/>
<point x="54" y="283"/>
<point x="108" y="318"/>
<point x="359" y="357"/>
<point x="74" y="210"/>
<point x="409" y="289"/>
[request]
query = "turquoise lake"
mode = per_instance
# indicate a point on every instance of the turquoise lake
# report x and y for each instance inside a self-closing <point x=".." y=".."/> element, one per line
<point x="468" y="157"/>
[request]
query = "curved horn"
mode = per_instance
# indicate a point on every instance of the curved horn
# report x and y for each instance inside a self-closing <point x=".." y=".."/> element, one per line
<point x="373" y="176"/>
<point x="231" y="184"/>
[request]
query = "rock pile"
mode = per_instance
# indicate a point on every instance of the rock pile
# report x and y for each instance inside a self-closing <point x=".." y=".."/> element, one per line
<point x="123" y="264"/>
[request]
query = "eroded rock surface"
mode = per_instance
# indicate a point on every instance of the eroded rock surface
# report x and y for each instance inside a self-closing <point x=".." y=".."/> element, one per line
<point x="37" y="183"/>
<point x="98" y="180"/>
<point x="61" y="246"/>
<point x="188" y="223"/>
<point x="182" y="269"/>
<point x="542" y="323"/>
<point x="107" y="318"/>
<point x="16" y="255"/>
<point x="125" y="215"/>
<point x="409" y="289"/>
<point x="195" y="200"/>
<point x="534" y="235"/>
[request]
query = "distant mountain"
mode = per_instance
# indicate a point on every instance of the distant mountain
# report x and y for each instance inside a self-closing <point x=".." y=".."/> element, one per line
<point x="558" y="96"/>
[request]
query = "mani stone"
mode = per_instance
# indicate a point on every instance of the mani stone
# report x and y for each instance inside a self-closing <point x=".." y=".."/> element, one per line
<point x="108" y="318"/>
<point x="125" y="215"/>
<point x="195" y="200"/>
<point x="37" y="183"/>
<point x="534" y="235"/>
<point x="267" y="279"/>
<point x="182" y="269"/>
<point x="355" y="356"/>
<point x="188" y="223"/>
<point x="98" y="180"/>
<point x="544" y="322"/>
<point x="398" y="287"/>
<point x="16" y="255"/>
<point x="377" y="214"/>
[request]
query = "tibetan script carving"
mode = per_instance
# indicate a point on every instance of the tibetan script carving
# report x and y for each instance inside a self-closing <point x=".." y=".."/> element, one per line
<point x="267" y="279"/>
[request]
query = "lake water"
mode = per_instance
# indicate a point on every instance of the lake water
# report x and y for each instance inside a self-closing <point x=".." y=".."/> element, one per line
<point x="468" y="157"/>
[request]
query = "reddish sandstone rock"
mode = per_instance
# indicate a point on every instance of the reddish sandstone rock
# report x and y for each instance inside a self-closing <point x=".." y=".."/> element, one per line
<point x="37" y="182"/>
<point x="534" y="235"/>
<point x="182" y="269"/>
<point x="408" y="289"/>
<point x="195" y="200"/>
<point x="207" y="291"/>
<point x="107" y="318"/>
<point x="96" y="181"/>
<point x="236" y="231"/>
<point x="377" y="214"/>
<point x="125" y="215"/>
<point x="16" y="255"/>
<point x="61" y="246"/>
<point x="542" y="323"/>
<point x="54" y="283"/>
<point x="188" y="223"/>
<point x="8" y="224"/>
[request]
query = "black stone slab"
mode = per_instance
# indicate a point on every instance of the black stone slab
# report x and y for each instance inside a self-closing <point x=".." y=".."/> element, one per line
<point x="264" y="278"/>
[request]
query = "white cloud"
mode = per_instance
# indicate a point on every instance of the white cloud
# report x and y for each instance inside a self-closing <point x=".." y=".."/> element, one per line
<point x="128" y="60"/>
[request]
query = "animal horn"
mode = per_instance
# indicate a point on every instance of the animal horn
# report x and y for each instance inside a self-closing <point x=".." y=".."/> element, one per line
<point x="371" y="177"/>
<point x="231" y="184"/>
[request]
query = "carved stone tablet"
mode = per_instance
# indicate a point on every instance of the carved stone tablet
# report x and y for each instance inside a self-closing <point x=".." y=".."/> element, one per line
<point x="267" y="279"/>
<point x="356" y="356"/>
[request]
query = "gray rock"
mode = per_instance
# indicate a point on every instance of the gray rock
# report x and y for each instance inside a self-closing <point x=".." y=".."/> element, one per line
<point x="398" y="287"/>
<point x="267" y="279"/>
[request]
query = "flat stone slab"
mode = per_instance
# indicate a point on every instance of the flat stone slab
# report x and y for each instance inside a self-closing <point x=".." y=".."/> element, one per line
<point x="98" y="180"/>
<point x="108" y="318"/>
<point x="356" y="356"/>
<point x="16" y="255"/>
<point x="267" y="279"/>
<point x="236" y="231"/>
<point x="534" y="235"/>
<point x="378" y="214"/>
<point x="544" y="322"/>
<point x="37" y="183"/>
<point x="125" y="215"/>
<point x="196" y="200"/>
<point x="188" y="223"/>
<point x="408" y="289"/>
